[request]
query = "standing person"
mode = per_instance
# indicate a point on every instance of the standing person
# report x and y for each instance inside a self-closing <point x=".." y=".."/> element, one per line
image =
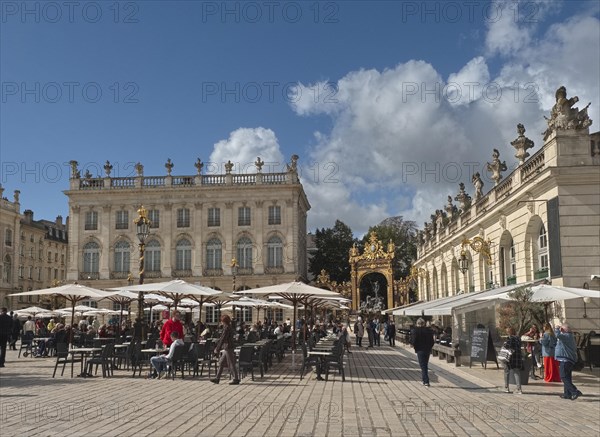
<point x="6" y="325"/>
<point x="29" y="326"/>
<point x="370" y="325"/>
<point x="376" y="332"/>
<point x="421" y="338"/>
<point x="16" y="330"/>
<point x="534" y="349"/>
<point x="551" y="367"/>
<point x="566" y="355"/>
<point x="173" y="324"/>
<point x="359" y="331"/>
<point x="391" y="332"/>
<point x="516" y="360"/>
<point x="226" y="345"/>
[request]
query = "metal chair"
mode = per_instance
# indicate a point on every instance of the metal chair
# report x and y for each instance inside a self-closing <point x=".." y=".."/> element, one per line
<point x="62" y="357"/>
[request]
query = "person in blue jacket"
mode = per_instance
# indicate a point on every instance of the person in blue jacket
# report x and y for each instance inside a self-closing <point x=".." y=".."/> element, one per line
<point x="566" y="354"/>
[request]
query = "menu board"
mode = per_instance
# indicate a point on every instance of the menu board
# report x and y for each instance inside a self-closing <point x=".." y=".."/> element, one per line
<point x="482" y="347"/>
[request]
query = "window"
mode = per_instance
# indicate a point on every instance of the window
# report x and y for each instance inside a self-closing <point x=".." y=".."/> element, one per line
<point x="91" y="221"/>
<point x="244" y="216"/>
<point x="116" y="306"/>
<point x="89" y="303"/>
<point x="244" y="253"/>
<point x="275" y="314"/>
<point x="62" y="259"/>
<point x="122" y="220"/>
<point x="21" y="272"/>
<point x="244" y="314"/>
<point x="41" y="254"/>
<point x="183" y="255"/>
<point x="213" y="254"/>
<point x="22" y="251"/>
<point x="7" y="269"/>
<point x="214" y="217"/>
<point x="152" y="256"/>
<point x="122" y="257"/>
<point x="512" y="260"/>
<point x="91" y="258"/>
<point x="274" y="252"/>
<point x="183" y="218"/>
<point x="8" y="237"/>
<point x="39" y="273"/>
<point x="274" y="215"/>
<point x="30" y="272"/>
<point x="55" y="257"/>
<point x="31" y="240"/>
<point x="213" y="314"/>
<point x="543" y="250"/>
<point x="31" y="251"/>
<point x="49" y="256"/>
<point x="55" y="274"/>
<point x="154" y="217"/>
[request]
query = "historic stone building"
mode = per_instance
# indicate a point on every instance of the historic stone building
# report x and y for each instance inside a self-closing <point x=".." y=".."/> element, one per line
<point x="199" y="224"/>
<point x="33" y="252"/>
<point x="541" y="220"/>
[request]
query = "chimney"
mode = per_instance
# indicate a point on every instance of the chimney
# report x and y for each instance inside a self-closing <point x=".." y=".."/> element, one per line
<point x="28" y="215"/>
<point x="59" y="221"/>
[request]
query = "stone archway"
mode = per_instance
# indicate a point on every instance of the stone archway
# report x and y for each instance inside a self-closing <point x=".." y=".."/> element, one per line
<point x="374" y="259"/>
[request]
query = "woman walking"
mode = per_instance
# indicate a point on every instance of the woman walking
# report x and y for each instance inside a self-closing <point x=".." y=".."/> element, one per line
<point x="548" y="341"/>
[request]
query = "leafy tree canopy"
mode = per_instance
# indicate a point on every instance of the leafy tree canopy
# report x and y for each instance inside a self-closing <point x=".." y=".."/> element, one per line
<point x="520" y="313"/>
<point x="333" y="247"/>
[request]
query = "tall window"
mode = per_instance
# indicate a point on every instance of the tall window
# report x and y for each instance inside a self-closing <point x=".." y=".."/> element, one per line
<point x="274" y="215"/>
<point x="183" y="218"/>
<point x="274" y="252"/>
<point x="543" y="249"/>
<point x="244" y="253"/>
<point x="91" y="257"/>
<point x="91" y="221"/>
<point x="244" y="216"/>
<point x="244" y="314"/>
<point x="214" y="216"/>
<point x="30" y="272"/>
<point x="122" y="220"/>
<point x="213" y="254"/>
<point x="154" y="217"/>
<point x="89" y="303"/>
<point x="275" y="314"/>
<point x="513" y="259"/>
<point x="7" y="269"/>
<point x="213" y="314"/>
<point x="152" y="256"/>
<point x="39" y="273"/>
<point x="183" y="255"/>
<point x="8" y="237"/>
<point x="122" y="257"/>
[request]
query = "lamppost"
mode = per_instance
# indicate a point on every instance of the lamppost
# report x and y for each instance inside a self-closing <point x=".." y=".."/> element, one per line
<point x="234" y="266"/>
<point x="142" y="224"/>
<point x="479" y="245"/>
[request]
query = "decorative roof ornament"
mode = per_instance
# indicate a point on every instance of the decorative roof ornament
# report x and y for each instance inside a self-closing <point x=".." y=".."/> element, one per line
<point x="139" y="169"/>
<point x="74" y="171"/>
<point x="463" y="199"/>
<point x="496" y="167"/>
<point x="259" y="164"/>
<point x="564" y="116"/>
<point x="108" y="168"/>
<point x="478" y="184"/>
<point x="228" y="167"/>
<point x="522" y="143"/>
<point x="199" y="164"/>
<point x="293" y="166"/>
<point x="451" y="209"/>
<point x="169" y="166"/>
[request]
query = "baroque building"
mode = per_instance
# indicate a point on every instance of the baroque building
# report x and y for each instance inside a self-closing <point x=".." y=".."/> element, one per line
<point x="540" y="221"/>
<point x="33" y="252"/>
<point x="199" y="224"/>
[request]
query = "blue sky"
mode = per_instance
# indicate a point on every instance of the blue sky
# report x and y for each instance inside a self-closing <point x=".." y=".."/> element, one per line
<point x="188" y="79"/>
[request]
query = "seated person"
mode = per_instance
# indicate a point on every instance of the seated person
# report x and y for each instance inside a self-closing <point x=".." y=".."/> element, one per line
<point x="446" y="337"/>
<point x="278" y="331"/>
<point x="159" y="363"/>
<point x="57" y="335"/>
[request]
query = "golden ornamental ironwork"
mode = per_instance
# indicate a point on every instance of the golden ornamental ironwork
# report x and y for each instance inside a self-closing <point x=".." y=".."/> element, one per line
<point x="374" y="250"/>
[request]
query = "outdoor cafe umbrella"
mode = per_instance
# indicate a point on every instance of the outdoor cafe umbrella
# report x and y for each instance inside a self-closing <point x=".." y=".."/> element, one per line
<point x="33" y="310"/>
<point x="73" y="293"/>
<point x="259" y="304"/>
<point x="295" y="292"/>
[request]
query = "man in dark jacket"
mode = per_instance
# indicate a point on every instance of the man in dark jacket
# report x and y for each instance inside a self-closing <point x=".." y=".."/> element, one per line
<point x="16" y="331"/>
<point x="421" y="338"/>
<point x="227" y="345"/>
<point x="6" y="326"/>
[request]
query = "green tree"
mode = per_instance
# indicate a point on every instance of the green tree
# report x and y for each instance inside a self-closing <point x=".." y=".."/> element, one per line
<point x="520" y="313"/>
<point x="403" y="234"/>
<point x="333" y="247"/>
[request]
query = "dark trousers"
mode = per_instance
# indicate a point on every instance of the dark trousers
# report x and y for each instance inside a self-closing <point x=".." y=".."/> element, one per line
<point x="13" y="341"/>
<point x="392" y="341"/>
<point x="3" y="341"/>
<point x="566" y="374"/>
<point x="378" y="339"/>
<point x="359" y="341"/>
<point x="423" y="357"/>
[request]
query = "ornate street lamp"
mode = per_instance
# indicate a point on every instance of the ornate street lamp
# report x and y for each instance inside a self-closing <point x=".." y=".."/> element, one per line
<point x="142" y="224"/>
<point x="234" y="266"/>
<point x="479" y="245"/>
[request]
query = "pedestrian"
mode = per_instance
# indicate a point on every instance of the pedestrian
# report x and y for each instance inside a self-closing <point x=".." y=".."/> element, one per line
<point x="359" y="331"/>
<point x="391" y="333"/>
<point x="16" y="331"/>
<point x="516" y="360"/>
<point x="566" y="354"/>
<point x="376" y="332"/>
<point x="226" y="346"/>
<point x="370" y="332"/>
<point x="421" y="339"/>
<point x="551" y="366"/>
<point x="6" y="325"/>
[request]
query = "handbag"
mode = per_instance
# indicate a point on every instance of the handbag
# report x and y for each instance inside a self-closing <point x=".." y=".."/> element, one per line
<point x="505" y="354"/>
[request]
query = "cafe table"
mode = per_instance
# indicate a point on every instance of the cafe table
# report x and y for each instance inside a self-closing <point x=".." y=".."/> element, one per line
<point x="85" y="353"/>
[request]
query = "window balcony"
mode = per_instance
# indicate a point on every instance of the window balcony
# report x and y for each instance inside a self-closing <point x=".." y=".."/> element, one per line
<point x="511" y="280"/>
<point x="152" y="274"/>
<point x="541" y="274"/>
<point x="119" y="275"/>
<point x="274" y="270"/>
<point x="213" y="272"/>
<point x="245" y="271"/>
<point x="181" y="273"/>
<point x="91" y="276"/>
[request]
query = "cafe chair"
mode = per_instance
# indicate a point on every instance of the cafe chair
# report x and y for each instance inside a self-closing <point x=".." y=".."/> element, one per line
<point x="63" y="357"/>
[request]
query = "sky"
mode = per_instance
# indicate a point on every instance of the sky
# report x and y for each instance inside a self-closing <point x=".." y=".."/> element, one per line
<point x="389" y="105"/>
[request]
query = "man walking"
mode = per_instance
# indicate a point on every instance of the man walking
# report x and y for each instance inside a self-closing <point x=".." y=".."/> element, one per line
<point x="6" y="325"/>
<point x="421" y="338"/>
<point x="566" y="354"/>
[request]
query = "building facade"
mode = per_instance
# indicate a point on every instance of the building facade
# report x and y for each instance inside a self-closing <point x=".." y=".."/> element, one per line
<point x="541" y="220"/>
<point x="10" y="229"/>
<point x="199" y="224"/>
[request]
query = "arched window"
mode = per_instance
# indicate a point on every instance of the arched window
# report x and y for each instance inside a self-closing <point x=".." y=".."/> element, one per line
<point x="513" y="259"/>
<point x="183" y="255"/>
<point x="213" y="254"/>
<point x="244" y="253"/>
<point x="152" y="256"/>
<point x="543" y="263"/>
<point x="122" y="256"/>
<point x="7" y="269"/>
<point x="91" y="257"/>
<point x="274" y="252"/>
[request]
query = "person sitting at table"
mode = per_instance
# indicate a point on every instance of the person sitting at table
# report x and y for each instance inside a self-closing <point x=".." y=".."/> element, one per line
<point x="226" y="346"/>
<point x="171" y="325"/>
<point x="51" y="325"/>
<point x="160" y="362"/>
<point x="56" y="336"/>
<point x="91" y="331"/>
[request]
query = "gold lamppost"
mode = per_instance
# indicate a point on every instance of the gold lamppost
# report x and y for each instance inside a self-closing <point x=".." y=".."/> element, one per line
<point x="234" y="266"/>
<point x="479" y="245"/>
<point x="142" y="224"/>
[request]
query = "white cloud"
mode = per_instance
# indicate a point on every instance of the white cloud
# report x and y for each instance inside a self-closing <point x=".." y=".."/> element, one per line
<point x="243" y="146"/>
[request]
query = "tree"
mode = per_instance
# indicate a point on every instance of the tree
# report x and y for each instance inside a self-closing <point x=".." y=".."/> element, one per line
<point x="403" y="234"/>
<point x="333" y="247"/>
<point x="520" y="313"/>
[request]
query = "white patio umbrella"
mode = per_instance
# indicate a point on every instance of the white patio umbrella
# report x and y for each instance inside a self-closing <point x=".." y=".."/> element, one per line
<point x="295" y="292"/>
<point x="73" y="293"/>
<point x="33" y="310"/>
